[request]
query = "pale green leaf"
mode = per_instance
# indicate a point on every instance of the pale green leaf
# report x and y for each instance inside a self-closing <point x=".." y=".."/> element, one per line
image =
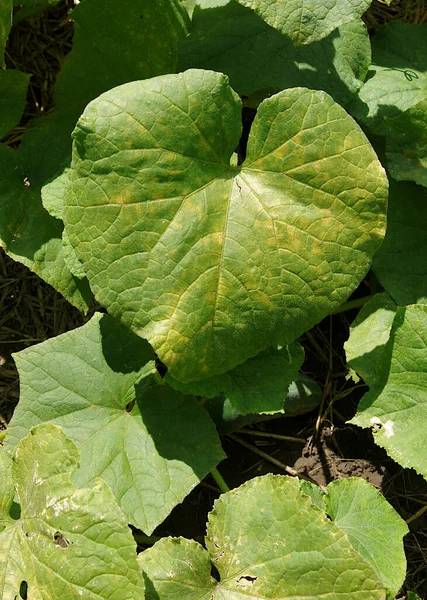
<point x="259" y="385"/>
<point x="369" y="335"/>
<point x="13" y="94"/>
<point x="401" y="262"/>
<point x="268" y="540"/>
<point x="307" y="21"/>
<point x="68" y="543"/>
<point x="113" y="43"/>
<point x="397" y="409"/>
<point x="407" y="144"/>
<point x="53" y="193"/>
<point x="398" y="75"/>
<point x="5" y="25"/>
<point x="372" y="525"/>
<point x="152" y="445"/>
<point x="234" y="40"/>
<point x="210" y="262"/>
<point x="31" y="236"/>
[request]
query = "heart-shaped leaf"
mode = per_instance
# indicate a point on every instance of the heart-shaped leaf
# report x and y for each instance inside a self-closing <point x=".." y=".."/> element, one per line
<point x="67" y="543"/>
<point x="152" y="445"/>
<point x="211" y="262"/>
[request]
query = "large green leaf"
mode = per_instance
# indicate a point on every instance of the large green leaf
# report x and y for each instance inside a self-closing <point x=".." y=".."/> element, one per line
<point x="234" y="40"/>
<point x="5" y="25"/>
<point x="68" y="543"/>
<point x="407" y="144"/>
<point x="212" y="262"/>
<point x="30" y="235"/>
<point x="398" y="77"/>
<point x="307" y="21"/>
<point x="372" y="525"/>
<point x="401" y="262"/>
<point x="369" y="335"/>
<point x="269" y="540"/>
<point x="259" y="385"/>
<point x="13" y="93"/>
<point x="152" y="445"/>
<point x="396" y="407"/>
<point x="113" y="43"/>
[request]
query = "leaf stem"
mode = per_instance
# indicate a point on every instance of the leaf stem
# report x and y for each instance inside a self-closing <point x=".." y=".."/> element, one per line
<point x="220" y="480"/>
<point x="3" y="434"/>
<point x="357" y="303"/>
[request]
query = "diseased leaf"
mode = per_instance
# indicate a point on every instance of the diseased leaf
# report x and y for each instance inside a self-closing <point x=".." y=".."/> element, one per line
<point x="234" y="40"/>
<point x="31" y="236"/>
<point x="369" y="335"/>
<point x="5" y="25"/>
<point x="398" y="75"/>
<point x="13" y="93"/>
<point x="210" y="262"/>
<point x="152" y="446"/>
<point x="307" y="21"/>
<point x="372" y="525"/>
<point x="113" y="43"/>
<point x="68" y="543"/>
<point x="401" y="262"/>
<point x="267" y="539"/>
<point x="259" y="385"/>
<point x="407" y="144"/>
<point x="396" y="407"/>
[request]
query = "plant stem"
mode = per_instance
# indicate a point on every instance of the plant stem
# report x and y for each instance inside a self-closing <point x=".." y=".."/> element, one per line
<point x="220" y="481"/>
<point x="357" y="303"/>
<point x="3" y="434"/>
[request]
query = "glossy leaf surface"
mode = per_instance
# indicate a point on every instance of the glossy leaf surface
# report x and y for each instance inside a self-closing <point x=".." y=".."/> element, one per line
<point x="67" y="543"/>
<point x="210" y="262"/>
<point x="152" y="445"/>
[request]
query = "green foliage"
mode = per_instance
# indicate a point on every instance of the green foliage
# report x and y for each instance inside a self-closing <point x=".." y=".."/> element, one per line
<point x="220" y="246"/>
<point x="395" y="406"/>
<point x="61" y="528"/>
<point x="306" y="22"/>
<point x="267" y="539"/>
<point x="213" y="243"/>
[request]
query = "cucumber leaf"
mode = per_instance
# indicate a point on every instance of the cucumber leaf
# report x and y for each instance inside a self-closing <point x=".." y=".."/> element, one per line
<point x="267" y="539"/>
<point x="232" y="39"/>
<point x="259" y="385"/>
<point x="31" y="236"/>
<point x="13" y="94"/>
<point x="401" y="262"/>
<point x="407" y="144"/>
<point x="211" y="262"/>
<point x="152" y="445"/>
<point x="395" y="407"/>
<point x="369" y="335"/>
<point x="397" y="79"/>
<point x="68" y="542"/>
<point x="305" y="22"/>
